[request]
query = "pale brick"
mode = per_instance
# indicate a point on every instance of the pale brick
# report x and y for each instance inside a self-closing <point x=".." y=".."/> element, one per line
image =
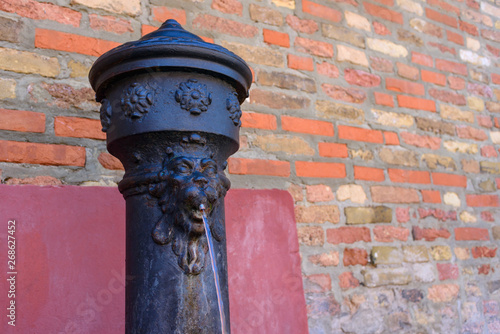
<point x="317" y="214"/>
<point x="7" y="88"/>
<point x="284" y="3"/>
<point x="451" y="198"/>
<point x="433" y="161"/>
<point x="354" y="56"/>
<point x="410" y="6"/>
<point x="339" y="111"/>
<point x="325" y="259"/>
<point x="490" y="167"/>
<point x="28" y="63"/>
<point x="369" y="215"/>
<point x="473" y="58"/>
<point x="426" y="27"/>
<point x="357" y="21"/>
<point x="390" y="118"/>
<point x="78" y="70"/>
<point x="400" y="157"/>
<point x="256" y="54"/>
<point x="495" y="137"/>
<point x="467" y="217"/>
<point x="441" y="253"/>
<point x="453" y="113"/>
<point x="343" y="34"/>
<point x="461" y="253"/>
<point x="387" y="276"/>
<point x="265" y="15"/>
<point x="353" y="192"/>
<point x="311" y="235"/>
<point x="131" y="7"/>
<point x="472" y="44"/>
<point x="475" y="103"/>
<point x="415" y="254"/>
<point x="387" y="47"/>
<point x="424" y="272"/>
<point x="491" y="10"/>
<point x="287" y="144"/>
<point x="443" y="293"/>
<point x="460" y="147"/>
<point x="319" y="193"/>
<point x="386" y="255"/>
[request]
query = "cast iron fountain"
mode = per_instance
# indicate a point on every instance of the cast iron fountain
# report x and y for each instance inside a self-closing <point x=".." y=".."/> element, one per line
<point x="171" y="112"/>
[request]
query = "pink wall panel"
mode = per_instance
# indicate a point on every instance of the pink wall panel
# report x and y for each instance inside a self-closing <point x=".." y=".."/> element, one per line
<point x="70" y="261"/>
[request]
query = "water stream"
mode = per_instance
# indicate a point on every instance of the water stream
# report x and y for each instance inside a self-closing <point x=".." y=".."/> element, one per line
<point x="214" y="269"/>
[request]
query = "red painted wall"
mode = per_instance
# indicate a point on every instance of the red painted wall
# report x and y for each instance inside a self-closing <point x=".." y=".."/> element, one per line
<point x="70" y="261"/>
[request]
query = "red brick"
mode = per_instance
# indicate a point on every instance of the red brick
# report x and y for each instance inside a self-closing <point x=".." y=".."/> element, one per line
<point x="416" y="103"/>
<point x="484" y="121"/>
<point x="21" y="120"/>
<point x="276" y="38"/>
<point x="455" y="38"/>
<point x="390" y="233"/>
<point x="409" y="176"/>
<point x="421" y="59"/>
<point x="347" y="281"/>
<point x="78" y="128"/>
<point x="489" y="151"/>
<point x="224" y="26"/>
<point x="383" y="99"/>
<point x="318" y="283"/>
<point x="450" y="66"/>
<point x="391" y="138"/>
<point x="300" y="63"/>
<point x="388" y="3"/>
<point x="109" y="162"/>
<point x="444" y="5"/>
<point x="333" y="150"/>
<point x="494" y="51"/>
<point x="258" y="121"/>
<point x="448" y="96"/>
<point x="468" y="132"/>
<point x="41" y="180"/>
<point x="480" y="90"/>
<point x="228" y="6"/>
<point x="301" y="125"/>
<point x="319" y="193"/>
<point x="360" y="134"/>
<point x="380" y="29"/>
<point x="403" y="215"/>
<point x="381" y="64"/>
<point x="42" y="11"/>
<point x="368" y="174"/>
<point x="41" y="154"/>
<point x="434" y="143"/>
<point x="433" y="77"/>
<point x="383" y="13"/>
<point x="443" y="48"/>
<point x="305" y="26"/>
<point x="485" y="269"/>
<point x="492" y="35"/>
<point x="350" y="95"/>
<point x="146" y="29"/>
<point x="320" y="169"/>
<point x="430" y="234"/>
<point x="385" y="194"/>
<point x="443" y="18"/>
<point x="456" y="83"/>
<point x="431" y="196"/>
<point x="482" y="200"/>
<point x="354" y="256"/>
<point x="324" y="12"/>
<point x="469" y="28"/>
<point x="404" y="86"/>
<point x="161" y="14"/>
<point x="316" y="48"/>
<point x="361" y="78"/>
<point x="439" y="214"/>
<point x="62" y="41"/>
<point x="327" y="69"/>
<point x="243" y="166"/>
<point x="487" y="215"/>
<point x="472" y="233"/>
<point x="483" y="252"/>
<point x="495" y="78"/>
<point x="408" y="72"/>
<point x="447" y="271"/>
<point x="348" y="235"/>
<point x="449" y="180"/>
<point x="110" y="23"/>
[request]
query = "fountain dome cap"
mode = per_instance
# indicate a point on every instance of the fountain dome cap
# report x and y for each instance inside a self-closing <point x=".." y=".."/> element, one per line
<point x="170" y="48"/>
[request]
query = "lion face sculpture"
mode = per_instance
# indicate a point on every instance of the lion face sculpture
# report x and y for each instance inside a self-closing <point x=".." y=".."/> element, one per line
<point x="186" y="182"/>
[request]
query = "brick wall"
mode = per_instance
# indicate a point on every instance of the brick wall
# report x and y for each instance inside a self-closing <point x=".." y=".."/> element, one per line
<point x="380" y="117"/>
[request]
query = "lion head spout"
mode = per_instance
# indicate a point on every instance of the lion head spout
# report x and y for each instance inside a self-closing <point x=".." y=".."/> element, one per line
<point x="187" y="180"/>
